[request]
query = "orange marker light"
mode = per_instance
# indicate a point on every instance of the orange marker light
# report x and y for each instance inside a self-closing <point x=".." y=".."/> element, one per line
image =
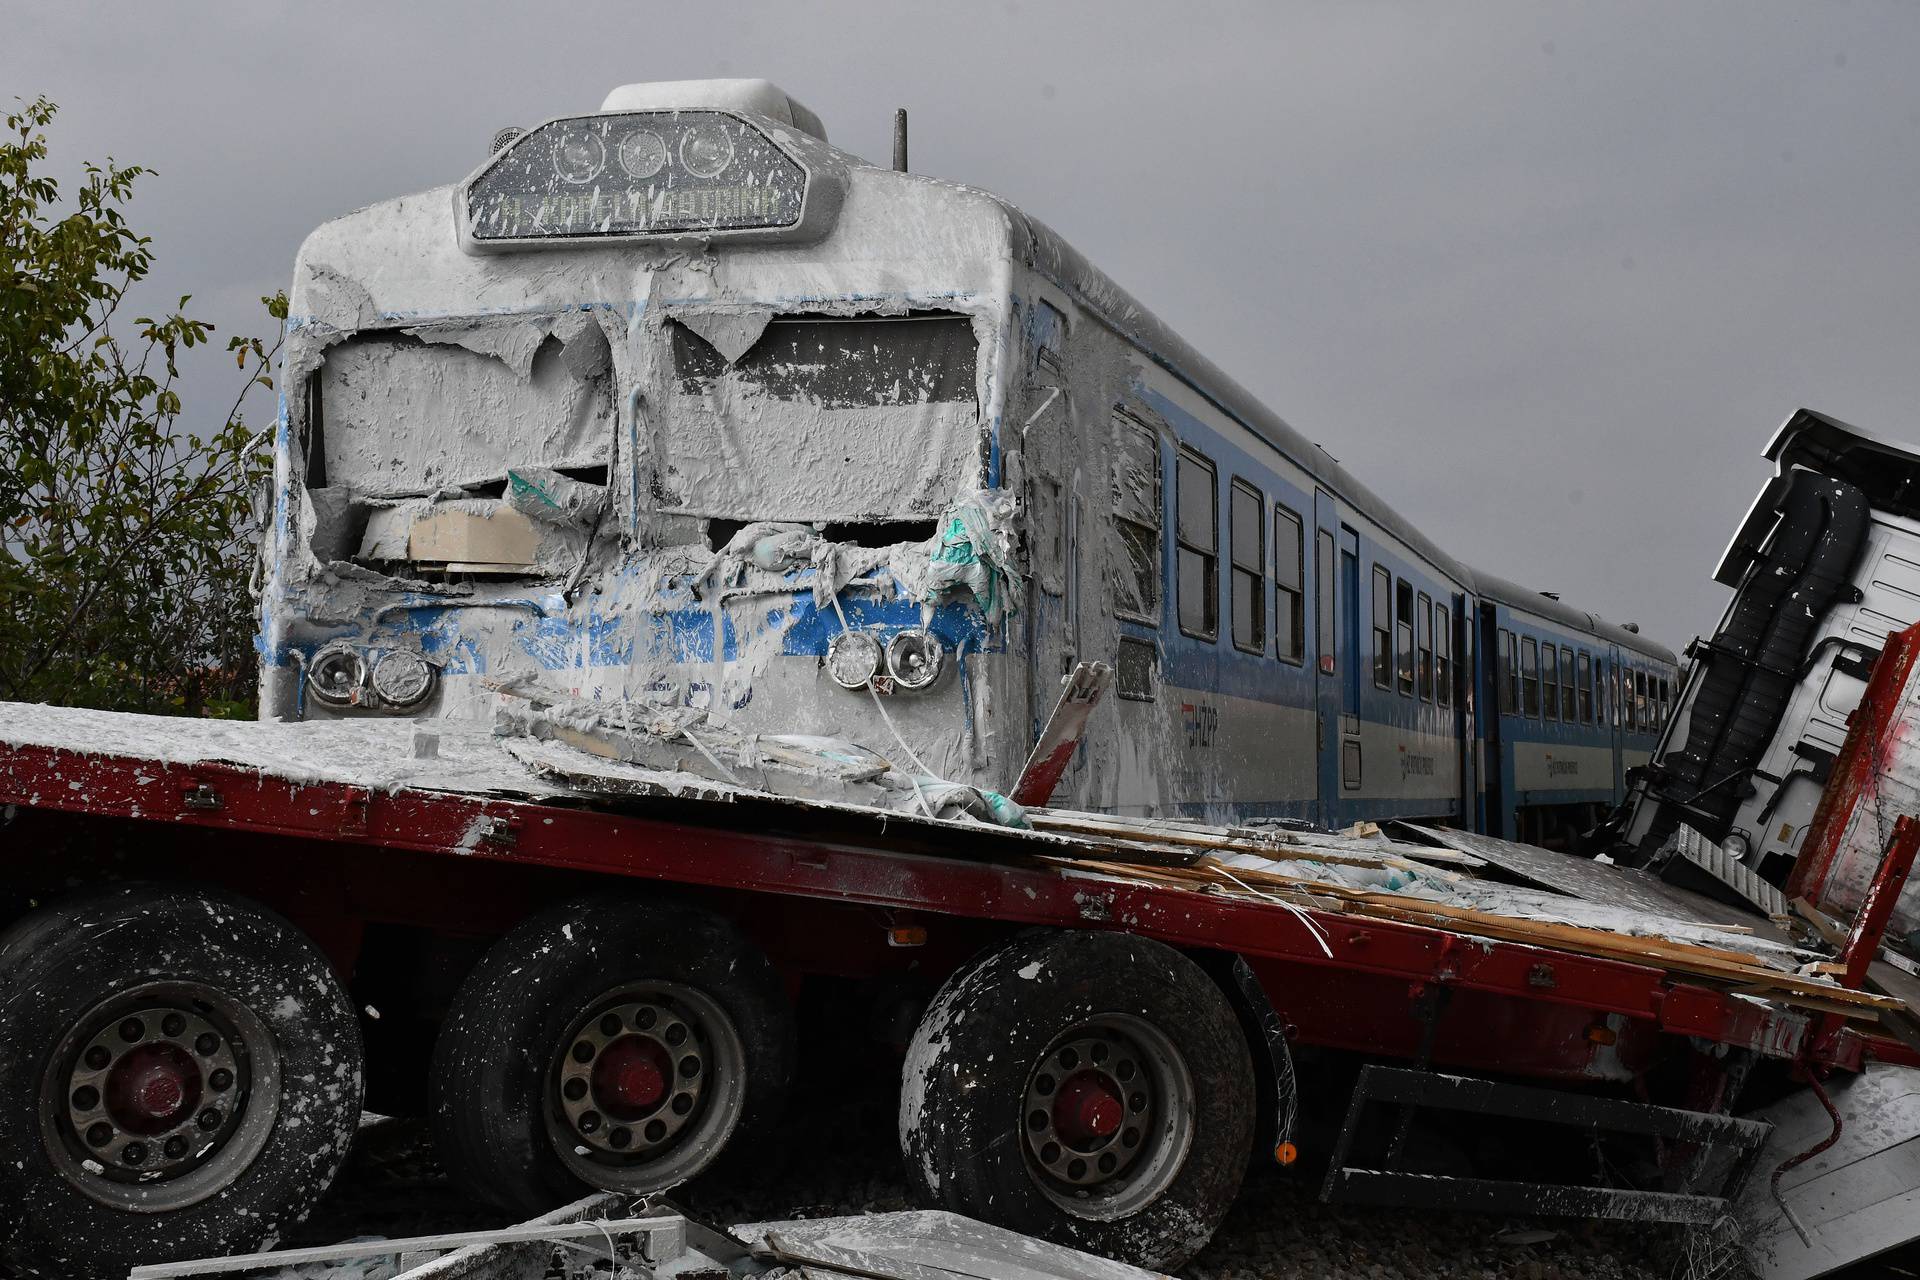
<point x="1285" y="1154"/>
<point x="907" y="935"/>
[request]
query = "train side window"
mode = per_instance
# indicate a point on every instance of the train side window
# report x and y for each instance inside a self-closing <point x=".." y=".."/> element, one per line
<point x="1423" y="624"/>
<point x="1566" y="685"/>
<point x="1403" y="633"/>
<point x="1666" y="702"/>
<point x="1510" y="687"/>
<point x="1246" y="533"/>
<point x="1382" y="628"/>
<point x="1323" y="601"/>
<point x="1196" y="538"/>
<point x="1549" y="682"/>
<point x="1640" y="716"/>
<point x="1442" y="656"/>
<point x="1530" y="677"/>
<point x="1586" y="687"/>
<point x="1289" y="619"/>
<point x="1136" y="520"/>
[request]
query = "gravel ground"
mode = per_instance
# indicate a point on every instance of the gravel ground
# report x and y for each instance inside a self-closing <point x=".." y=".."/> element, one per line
<point x="841" y="1159"/>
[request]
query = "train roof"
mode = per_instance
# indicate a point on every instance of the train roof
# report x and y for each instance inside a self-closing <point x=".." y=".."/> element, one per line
<point x="1515" y="596"/>
<point x="1060" y="261"/>
<point x="1053" y="257"/>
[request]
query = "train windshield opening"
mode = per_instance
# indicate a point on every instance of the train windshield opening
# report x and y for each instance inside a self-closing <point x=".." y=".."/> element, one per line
<point x="411" y="412"/>
<point x="819" y="418"/>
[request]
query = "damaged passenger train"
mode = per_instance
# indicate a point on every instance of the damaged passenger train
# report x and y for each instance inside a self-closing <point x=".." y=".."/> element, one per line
<point x="674" y="403"/>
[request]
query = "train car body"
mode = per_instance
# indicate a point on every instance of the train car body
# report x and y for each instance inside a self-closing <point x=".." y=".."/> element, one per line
<point x="676" y="404"/>
<point x="1577" y="703"/>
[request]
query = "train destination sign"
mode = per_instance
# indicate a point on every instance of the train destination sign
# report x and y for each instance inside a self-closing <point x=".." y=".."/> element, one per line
<point x="675" y="173"/>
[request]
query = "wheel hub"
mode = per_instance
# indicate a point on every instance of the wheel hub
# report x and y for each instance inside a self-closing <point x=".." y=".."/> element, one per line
<point x="152" y="1094"/>
<point x="1088" y="1108"/>
<point x="632" y="1078"/>
<point x="149" y="1087"/>
<point x="1091" y="1108"/>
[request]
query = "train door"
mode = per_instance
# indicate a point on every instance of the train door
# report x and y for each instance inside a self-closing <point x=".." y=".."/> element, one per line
<point x="1052" y="466"/>
<point x="1458" y="689"/>
<point x="1616" y="722"/>
<point x="1329" y="699"/>
<point x="1490" y="673"/>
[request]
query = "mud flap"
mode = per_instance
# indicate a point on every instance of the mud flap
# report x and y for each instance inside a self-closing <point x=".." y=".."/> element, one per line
<point x="1858" y="1198"/>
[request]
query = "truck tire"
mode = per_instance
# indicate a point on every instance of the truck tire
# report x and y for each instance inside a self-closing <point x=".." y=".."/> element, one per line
<point x="608" y="1043"/>
<point x="1092" y="1089"/>
<point x="180" y="1077"/>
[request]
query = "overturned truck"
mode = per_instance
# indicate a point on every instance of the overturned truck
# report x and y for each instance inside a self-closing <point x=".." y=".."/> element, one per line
<point x="659" y="597"/>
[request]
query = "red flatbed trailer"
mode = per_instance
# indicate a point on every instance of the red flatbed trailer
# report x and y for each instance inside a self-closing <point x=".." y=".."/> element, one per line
<point x="394" y="871"/>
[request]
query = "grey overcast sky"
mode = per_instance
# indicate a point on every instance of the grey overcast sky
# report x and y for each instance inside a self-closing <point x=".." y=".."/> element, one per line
<point x="1545" y="275"/>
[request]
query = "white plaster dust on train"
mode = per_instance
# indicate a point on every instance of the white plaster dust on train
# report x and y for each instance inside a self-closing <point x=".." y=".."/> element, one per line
<point x="664" y="398"/>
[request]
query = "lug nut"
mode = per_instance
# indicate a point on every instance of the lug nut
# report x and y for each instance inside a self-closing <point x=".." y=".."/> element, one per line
<point x="173" y="1024"/>
<point x="207" y="1044"/>
<point x="175" y="1148"/>
<point x="133" y="1030"/>
<point x="86" y="1098"/>
<point x="221" y="1079"/>
<point x="210" y="1119"/>
<point x="99" y="1134"/>
<point x="134" y="1153"/>
<point x="98" y="1058"/>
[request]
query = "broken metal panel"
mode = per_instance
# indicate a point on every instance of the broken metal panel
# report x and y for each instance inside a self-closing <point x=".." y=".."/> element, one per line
<point x="1858" y="1198"/>
<point x="1593" y="881"/>
<point x="927" y="1245"/>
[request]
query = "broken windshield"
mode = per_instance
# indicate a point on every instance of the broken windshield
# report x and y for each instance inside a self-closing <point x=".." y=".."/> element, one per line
<point x="409" y="412"/>
<point x="820" y="418"/>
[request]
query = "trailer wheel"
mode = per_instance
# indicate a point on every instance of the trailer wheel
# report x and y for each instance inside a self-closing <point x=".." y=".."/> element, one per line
<point x="1092" y="1089"/>
<point x="612" y="1044"/>
<point x="180" y="1077"/>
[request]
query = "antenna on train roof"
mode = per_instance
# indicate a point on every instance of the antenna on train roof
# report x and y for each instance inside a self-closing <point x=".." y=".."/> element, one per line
<point x="900" y="139"/>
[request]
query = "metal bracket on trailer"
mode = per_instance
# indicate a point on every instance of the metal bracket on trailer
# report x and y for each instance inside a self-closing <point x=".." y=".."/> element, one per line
<point x="1394" y="1086"/>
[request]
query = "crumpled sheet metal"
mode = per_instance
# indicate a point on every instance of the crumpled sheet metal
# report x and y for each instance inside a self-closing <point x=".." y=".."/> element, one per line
<point x="925" y="1244"/>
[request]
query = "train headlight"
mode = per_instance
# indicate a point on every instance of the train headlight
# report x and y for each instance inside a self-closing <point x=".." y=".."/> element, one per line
<point x="853" y="659"/>
<point x="643" y="153"/>
<point x="915" y="658"/>
<point x="676" y="174"/>
<point x="403" y="679"/>
<point x="706" y="150"/>
<point x="579" y="155"/>
<point x="338" y="676"/>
